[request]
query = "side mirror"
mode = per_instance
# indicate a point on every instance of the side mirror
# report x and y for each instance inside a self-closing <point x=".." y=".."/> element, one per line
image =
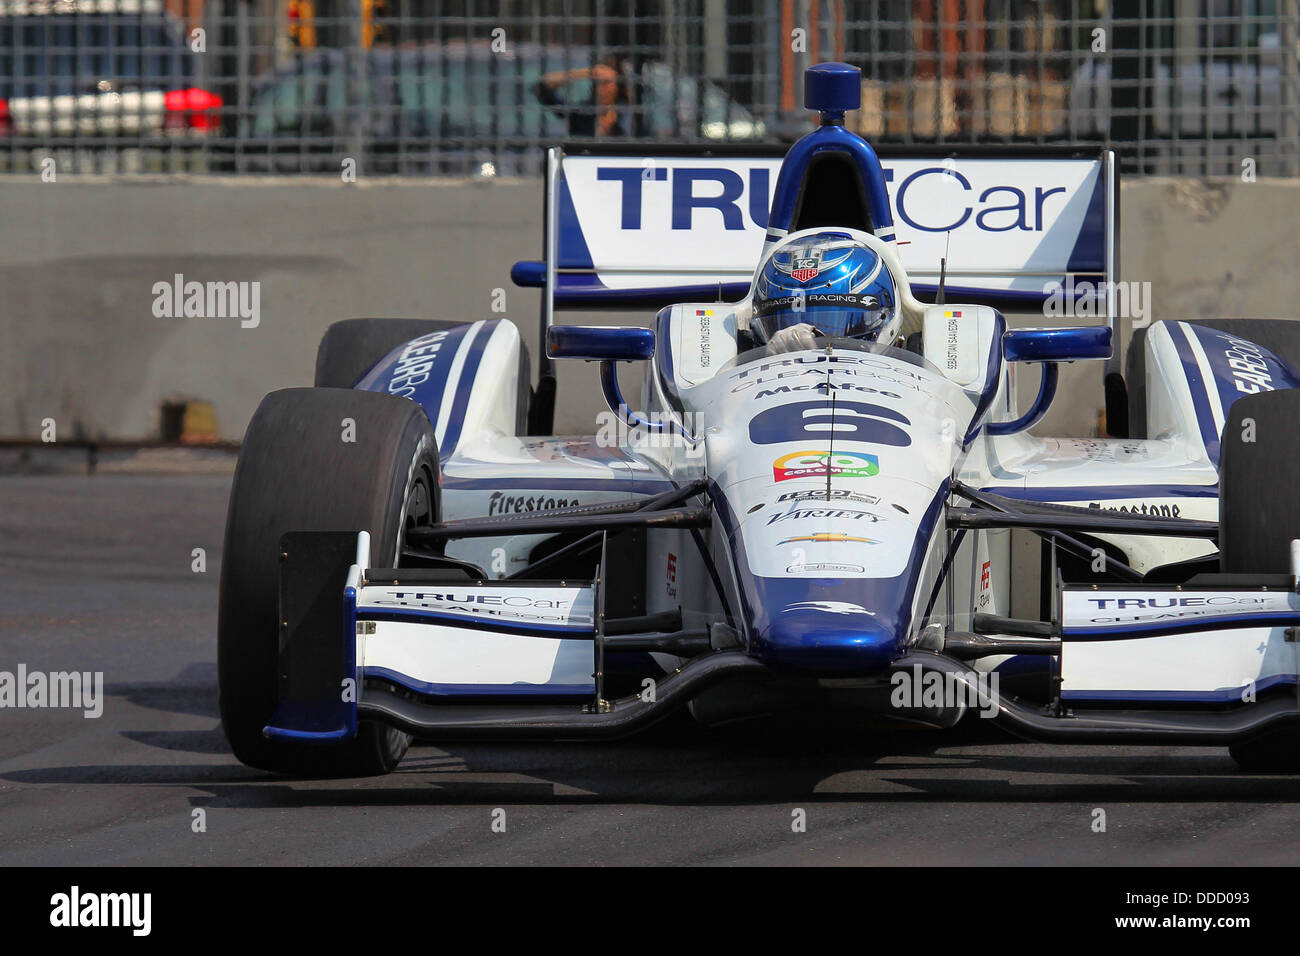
<point x="1057" y="345"/>
<point x="1049" y="346"/>
<point x="600" y="343"/>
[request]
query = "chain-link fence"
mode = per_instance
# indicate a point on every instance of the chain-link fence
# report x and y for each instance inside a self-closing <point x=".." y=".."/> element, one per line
<point x="346" y="87"/>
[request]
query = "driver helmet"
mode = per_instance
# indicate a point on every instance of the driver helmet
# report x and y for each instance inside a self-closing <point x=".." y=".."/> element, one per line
<point x="832" y="281"/>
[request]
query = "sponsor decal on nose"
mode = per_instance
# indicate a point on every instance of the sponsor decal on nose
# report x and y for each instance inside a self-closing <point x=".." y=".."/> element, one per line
<point x="819" y="464"/>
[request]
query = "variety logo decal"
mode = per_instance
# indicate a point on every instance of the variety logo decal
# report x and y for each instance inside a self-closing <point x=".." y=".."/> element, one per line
<point x="824" y="513"/>
<point x="825" y="537"/>
<point x="820" y="464"/>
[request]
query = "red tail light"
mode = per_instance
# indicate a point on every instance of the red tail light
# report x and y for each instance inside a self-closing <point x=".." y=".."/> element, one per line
<point x="194" y="108"/>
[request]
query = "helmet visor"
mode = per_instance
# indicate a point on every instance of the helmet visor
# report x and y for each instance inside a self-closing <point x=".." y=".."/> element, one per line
<point x="850" y="316"/>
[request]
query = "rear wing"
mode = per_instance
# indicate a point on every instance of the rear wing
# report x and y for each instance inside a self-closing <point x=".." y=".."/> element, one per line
<point x="648" y="227"/>
<point x="643" y="227"/>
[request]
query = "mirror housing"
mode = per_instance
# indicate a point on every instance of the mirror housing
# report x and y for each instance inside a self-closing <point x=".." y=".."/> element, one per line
<point x="1057" y="345"/>
<point x="600" y="343"/>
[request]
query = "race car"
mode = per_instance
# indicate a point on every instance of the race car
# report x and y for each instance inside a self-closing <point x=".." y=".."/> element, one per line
<point x="813" y="511"/>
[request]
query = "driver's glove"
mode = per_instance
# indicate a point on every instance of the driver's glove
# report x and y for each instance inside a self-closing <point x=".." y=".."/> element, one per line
<point x="796" y="338"/>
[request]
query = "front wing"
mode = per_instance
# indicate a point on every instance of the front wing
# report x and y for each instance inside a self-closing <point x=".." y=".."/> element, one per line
<point x="436" y="653"/>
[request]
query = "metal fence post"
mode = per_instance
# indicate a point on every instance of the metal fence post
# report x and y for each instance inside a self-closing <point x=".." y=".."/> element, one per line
<point x="356" y="69"/>
<point x="1289" y="95"/>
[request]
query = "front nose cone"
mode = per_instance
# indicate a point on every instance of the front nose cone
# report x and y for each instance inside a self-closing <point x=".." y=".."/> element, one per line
<point x="826" y="637"/>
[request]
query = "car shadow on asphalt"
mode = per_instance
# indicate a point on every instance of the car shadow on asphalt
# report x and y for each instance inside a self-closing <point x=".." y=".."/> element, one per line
<point x="684" y="765"/>
<point x="678" y="762"/>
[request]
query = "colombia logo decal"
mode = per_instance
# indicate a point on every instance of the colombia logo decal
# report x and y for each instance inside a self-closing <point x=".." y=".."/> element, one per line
<point x="820" y="464"/>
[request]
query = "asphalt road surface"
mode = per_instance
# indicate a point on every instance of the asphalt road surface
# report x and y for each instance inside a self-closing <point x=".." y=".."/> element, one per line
<point x="98" y="576"/>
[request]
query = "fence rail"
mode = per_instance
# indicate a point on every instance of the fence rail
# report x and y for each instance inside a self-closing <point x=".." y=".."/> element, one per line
<point x="351" y="87"/>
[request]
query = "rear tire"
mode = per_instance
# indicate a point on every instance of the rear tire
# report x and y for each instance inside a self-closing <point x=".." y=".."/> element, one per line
<point x="1279" y="336"/>
<point x="297" y="473"/>
<point x="351" y="348"/>
<point x="1274" y="751"/>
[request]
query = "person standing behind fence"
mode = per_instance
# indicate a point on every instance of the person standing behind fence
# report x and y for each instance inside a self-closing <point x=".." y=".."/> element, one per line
<point x="600" y="116"/>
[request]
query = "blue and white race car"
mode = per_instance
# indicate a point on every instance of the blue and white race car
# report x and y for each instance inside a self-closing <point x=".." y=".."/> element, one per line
<point x="814" y="509"/>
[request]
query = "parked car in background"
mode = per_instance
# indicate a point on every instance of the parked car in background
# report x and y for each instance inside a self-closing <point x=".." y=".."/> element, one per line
<point x="457" y="108"/>
<point x="98" y="75"/>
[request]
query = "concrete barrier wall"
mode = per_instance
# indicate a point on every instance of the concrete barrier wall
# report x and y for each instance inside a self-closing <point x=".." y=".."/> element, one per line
<point x="79" y="341"/>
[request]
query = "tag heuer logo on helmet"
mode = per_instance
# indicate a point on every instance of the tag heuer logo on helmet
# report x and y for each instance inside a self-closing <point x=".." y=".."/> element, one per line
<point x="805" y="269"/>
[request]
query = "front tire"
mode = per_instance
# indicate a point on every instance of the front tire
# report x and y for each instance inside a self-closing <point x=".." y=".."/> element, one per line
<point x="314" y="459"/>
<point x="1259" y="514"/>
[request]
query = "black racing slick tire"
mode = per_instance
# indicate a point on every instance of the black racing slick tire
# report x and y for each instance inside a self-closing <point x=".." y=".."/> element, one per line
<point x="1259" y="514"/>
<point x="351" y="348"/>
<point x="314" y="459"/>
<point x="1279" y="336"/>
<point x="1259" y="483"/>
<point x="1274" y="751"/>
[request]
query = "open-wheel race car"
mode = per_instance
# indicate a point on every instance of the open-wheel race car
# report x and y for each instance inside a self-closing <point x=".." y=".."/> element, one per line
<point x="814" y="509"/>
